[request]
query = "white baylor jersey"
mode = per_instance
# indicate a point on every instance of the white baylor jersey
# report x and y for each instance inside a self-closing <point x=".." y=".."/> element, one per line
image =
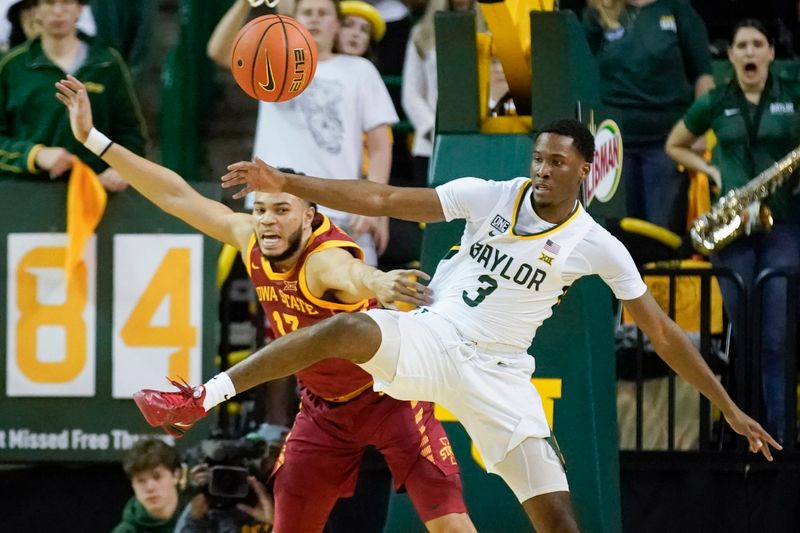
<point x="512" y="267"/>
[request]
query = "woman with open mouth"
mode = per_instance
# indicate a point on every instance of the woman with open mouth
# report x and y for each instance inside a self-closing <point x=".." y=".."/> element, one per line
<point x="756" y="119"/>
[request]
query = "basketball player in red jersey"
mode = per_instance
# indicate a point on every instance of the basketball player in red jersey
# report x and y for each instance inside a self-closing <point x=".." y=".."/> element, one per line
<point x="305" y="269"/>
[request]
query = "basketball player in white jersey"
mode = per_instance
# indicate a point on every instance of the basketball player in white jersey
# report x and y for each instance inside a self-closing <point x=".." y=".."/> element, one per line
<point x="525" y="241"/>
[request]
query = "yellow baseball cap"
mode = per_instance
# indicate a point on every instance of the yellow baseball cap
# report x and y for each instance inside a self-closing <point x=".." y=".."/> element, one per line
<point x="357" y="8"/>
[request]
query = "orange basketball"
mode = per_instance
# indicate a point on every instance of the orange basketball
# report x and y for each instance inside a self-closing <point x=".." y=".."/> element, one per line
<point x="273" y="58"/>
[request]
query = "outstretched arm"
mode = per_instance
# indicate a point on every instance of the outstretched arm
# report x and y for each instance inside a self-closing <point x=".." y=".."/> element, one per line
<point x="363" y="197"/>
<point x="350" y="280"/>
<point x="220" y="44"/>
<point x="675" y="348"/>
<point x="160" y="185"/>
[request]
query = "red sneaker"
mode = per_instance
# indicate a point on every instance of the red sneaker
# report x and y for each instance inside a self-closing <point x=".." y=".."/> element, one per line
<point x="174" y="412"/>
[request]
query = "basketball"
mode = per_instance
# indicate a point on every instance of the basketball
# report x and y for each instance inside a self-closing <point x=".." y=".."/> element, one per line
<point x="273" y="58"/>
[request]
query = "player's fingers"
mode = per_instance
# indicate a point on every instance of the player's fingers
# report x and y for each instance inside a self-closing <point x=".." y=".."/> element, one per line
<point x="233" y="180"/>
<point x="767" y="452"/>
<point x="405" y="299"/>
<point x="759" y="445"/>
<point x="768" y="438"/>
<point x="414" y="286"/>
<point x="226" y="179"/>
<point x="423" y="290"/>
<point x="417" y="273"/>
<point x="755" y="444"/>
<point x="242" y="193"/>
<point x="410" y="295"/>
<point x="239" y="165"/>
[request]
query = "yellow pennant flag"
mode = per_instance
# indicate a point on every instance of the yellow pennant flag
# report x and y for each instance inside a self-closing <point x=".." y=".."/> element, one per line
<point x="86" y="202"/>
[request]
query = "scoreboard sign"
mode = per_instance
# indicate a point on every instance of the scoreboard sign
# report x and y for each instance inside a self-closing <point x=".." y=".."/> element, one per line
<point x="77" y="347"/>
<point x="50" y="325"/>
<point x="157" y="310"/>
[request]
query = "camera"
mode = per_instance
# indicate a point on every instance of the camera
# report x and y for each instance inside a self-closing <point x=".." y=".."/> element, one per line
<point x="230" y="463"/>
<point x="228" y="482"/>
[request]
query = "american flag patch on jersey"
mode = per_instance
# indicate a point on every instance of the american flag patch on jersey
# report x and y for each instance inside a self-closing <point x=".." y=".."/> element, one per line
<point x="551" y="247"/>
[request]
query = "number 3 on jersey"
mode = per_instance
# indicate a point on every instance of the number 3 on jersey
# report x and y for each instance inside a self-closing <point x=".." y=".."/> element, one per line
<point x="488" y="288"/>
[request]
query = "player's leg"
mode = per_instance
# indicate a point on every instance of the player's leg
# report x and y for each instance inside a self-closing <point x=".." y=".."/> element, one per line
<point x="352" y="336"/>
<point x="438" y="498"/>
<point x="367" y="510"/>
<point x="313" y="471"/>
<point x="421" y="459"/>
<point x="304" y="511"/>
<point x="536" y="476"/>
<point x="503" y="414"/>
<point x="551" y="512"/>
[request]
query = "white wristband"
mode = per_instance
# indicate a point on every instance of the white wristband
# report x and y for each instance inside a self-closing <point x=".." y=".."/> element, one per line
<point x="97" y="143"/>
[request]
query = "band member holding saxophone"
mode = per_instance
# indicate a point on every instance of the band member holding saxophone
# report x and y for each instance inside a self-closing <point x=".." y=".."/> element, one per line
<point x="756" y="119"/>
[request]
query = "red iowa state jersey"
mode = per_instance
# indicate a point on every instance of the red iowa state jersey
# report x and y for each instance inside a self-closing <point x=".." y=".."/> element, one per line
<point x="289" y="305"/>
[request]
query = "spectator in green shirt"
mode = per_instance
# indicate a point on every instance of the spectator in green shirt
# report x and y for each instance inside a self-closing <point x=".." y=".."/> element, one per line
<point x="154" y="469"/>
<point x="756" y="119"/>
<point x="35" y="139"/>
<point x="654" y="60"/>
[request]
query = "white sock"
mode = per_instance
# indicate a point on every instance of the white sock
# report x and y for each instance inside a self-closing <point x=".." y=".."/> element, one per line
<point x="218" y="389"/>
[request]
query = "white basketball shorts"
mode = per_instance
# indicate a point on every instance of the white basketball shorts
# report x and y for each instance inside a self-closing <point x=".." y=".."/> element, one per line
<point x="423" y="357"/>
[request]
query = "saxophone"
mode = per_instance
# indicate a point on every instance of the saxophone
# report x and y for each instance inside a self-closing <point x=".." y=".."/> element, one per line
<point x="740" y="211"/>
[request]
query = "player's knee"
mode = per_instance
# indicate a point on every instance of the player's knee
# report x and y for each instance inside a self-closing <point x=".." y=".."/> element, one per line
<point x="552" y="513"/>
<point x="352" y="336"/>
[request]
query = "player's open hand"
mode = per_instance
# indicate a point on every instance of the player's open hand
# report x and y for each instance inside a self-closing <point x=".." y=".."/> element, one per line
<point x="398" y="287"/>
<point x="72" y="93"/>
<point x="757" y="437"/>
<point x="253" y="176"/>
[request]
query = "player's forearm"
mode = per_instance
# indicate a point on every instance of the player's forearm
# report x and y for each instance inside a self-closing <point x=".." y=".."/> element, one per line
<point x="158" y="184"/>
<point x="363" y="197"/>
<point x="220" y="43"/>
<point x="370" y="280"/>
<point x="361" y="281"/>
<point x="675" y="348"/>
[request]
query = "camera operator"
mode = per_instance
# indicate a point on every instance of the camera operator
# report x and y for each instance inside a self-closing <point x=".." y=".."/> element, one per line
<point x="230" y="495"/>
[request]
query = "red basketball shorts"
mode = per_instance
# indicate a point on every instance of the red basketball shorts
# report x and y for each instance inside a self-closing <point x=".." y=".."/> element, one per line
<point x="320" y="459"/>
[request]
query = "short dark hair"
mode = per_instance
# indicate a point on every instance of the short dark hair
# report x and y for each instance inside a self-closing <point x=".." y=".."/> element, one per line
<point x="582" y="138"/>
<point x="751" y="23"/>
<point x="150" y="453"/>
<point x="290" y="170"/>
